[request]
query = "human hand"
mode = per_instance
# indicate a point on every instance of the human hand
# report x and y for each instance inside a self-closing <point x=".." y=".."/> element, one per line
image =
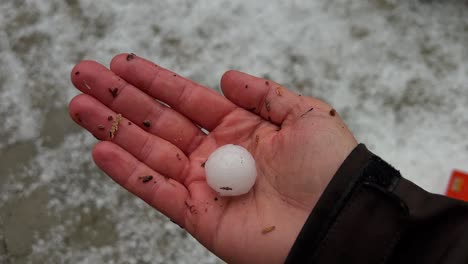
<point x="298" y="143"/>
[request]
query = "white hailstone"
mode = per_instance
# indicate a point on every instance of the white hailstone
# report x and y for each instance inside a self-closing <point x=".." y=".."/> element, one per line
<point x="230" y="170"/>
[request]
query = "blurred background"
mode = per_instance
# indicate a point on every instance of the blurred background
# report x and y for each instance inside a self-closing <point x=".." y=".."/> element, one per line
<point x="395" y="70"/>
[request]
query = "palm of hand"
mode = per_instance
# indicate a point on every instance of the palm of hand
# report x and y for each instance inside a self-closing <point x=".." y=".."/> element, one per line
<point x="297" y="152"/>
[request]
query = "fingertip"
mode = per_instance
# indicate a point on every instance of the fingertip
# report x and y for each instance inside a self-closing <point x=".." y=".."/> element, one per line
<point x="72" y="103"/>
<point x="73" y="107"/>
<point x="106" y="154"/>
<point x="78" y="68"/>
<point x="117" y="61"/>
<point x="227" y="78"/>
<point x="113" y="160"/>
<point x="96" y="151"/>
<point x="80" y="103"/>
<point x="227" y="75"/>
<point x="83" y="74"/>
<point x="76" y="100"/>
<point x="102" y="152"/>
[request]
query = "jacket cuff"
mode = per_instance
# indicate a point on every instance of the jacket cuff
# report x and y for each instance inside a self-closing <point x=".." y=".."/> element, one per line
<point x="357" y="206"/>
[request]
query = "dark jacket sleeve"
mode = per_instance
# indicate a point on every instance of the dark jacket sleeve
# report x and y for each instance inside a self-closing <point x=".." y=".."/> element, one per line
<point x="370" y="214"/>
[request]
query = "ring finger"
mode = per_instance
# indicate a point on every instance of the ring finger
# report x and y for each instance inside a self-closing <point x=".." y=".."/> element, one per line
<point x="157" y="153"/>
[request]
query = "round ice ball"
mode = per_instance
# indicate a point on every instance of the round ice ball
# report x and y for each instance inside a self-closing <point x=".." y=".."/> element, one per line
<point x="230" y="170"/>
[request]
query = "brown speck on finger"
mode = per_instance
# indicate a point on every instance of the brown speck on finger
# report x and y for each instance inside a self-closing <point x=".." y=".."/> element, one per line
<point x="307" y="111"/>
<point x="115" y="126"/>
<point x="203" y="164"/>
<point x="130" y="56"/>
<point x="101" y="127"/>
<point x="147" y="123"/>
<point x="216" y="199"/>
<point x="145" y="179"/>
<point x="267" y="105"/>
<point x="257" y="139"/>
<point x="279" y="91"/>
<point x="77" y="73"/>
<point x="114" y="91"/>
<point x="268" y="229"/>
<point x="333" y="112"/>
<point x="178" y="156"/>
<point x="78" y="117"/>
<point x="129" y="123"/>
<point x="246" y="86"/>
<point x="174" y="75"/>
<point x="110" y="118"/>
<point x="267" y="82"/>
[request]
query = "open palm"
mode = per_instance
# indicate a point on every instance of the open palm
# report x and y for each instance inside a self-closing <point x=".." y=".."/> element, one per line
<point x="158" y="152"/>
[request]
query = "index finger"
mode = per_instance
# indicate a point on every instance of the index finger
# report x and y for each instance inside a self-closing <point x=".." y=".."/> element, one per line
<point x="200" y="104"/>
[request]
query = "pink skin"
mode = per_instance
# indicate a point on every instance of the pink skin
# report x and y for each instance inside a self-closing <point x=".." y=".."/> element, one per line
<point x="297" y="153"/>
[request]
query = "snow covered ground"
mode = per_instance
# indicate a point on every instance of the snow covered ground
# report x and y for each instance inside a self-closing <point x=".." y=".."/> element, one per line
<point x="395" y="70"/>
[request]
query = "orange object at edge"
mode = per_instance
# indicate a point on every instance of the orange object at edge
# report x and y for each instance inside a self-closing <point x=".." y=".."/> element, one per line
<point x="458" y="185"/>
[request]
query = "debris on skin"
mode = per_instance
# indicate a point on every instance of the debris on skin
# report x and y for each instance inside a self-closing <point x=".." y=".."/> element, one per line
<point x="279" y="91"/>
<point x="192" y="208"/>
<point x="115" y="126"/>
<point x="78" y="117"/>
<point x="110" y="118"/>
<point x="178" y="156"/>
<point x="130" y="56"/>
<point x="175" y="75"/>
<point x="226" y="188"/>
<point x="114" y="91"/>
<point x="203" y="164"/>
<point x="333" y="112"/>
<point x="129" y="123"/>
<point x="257" y="139"/>
<point x="216" y="199"/>
<point x="86" y="85"/>
<point x="268" y="229"/>
<point x="77" y="73"/>
<point x="267" y="105"/>
<point x="307" y="111"/>
<point x="101" y="127"/>
<point x="147" y="123"/>
<point x="145" y="179"/>
<point x="246" y="86"/>
<point x="267" y="82"/>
